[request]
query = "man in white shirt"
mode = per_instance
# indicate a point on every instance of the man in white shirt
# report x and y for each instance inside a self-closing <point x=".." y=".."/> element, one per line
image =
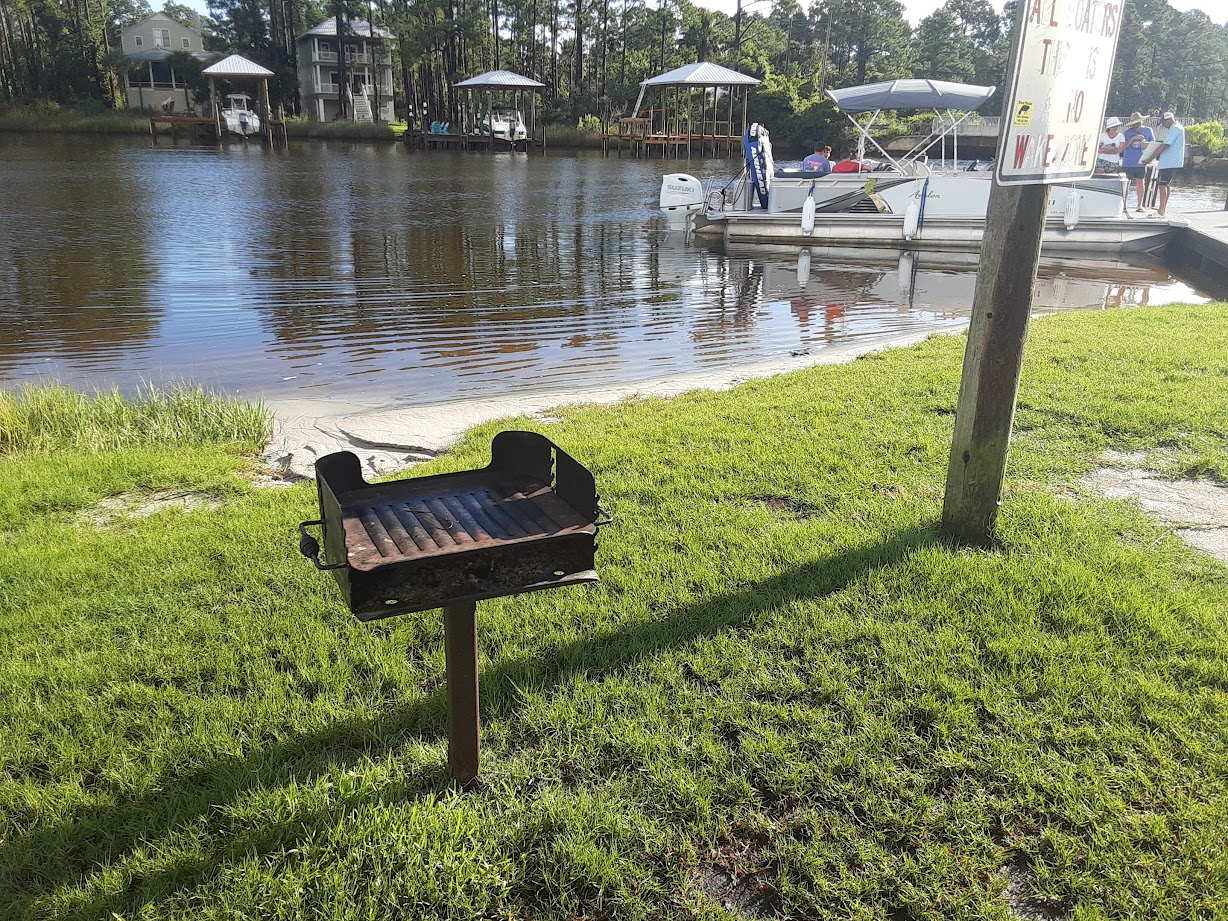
<point x="1169" y="157"/>
<point x="1112" y="143"/>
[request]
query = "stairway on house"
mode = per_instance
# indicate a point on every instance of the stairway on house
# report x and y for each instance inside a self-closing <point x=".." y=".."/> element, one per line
<point x="362" y="107"/>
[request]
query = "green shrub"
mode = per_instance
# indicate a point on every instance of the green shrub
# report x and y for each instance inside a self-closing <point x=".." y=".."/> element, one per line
<point x="1209" y="135"/>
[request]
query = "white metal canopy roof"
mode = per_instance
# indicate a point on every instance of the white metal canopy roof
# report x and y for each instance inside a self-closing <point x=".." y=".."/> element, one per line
<point x="911" y="94"/>
<point x="356" y="28"/>
<point x="236" y="66"/>
<point x="701" y="74"/>
<point x="500" y="80"/>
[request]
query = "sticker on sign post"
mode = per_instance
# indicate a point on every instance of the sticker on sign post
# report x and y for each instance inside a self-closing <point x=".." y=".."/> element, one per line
<point x="1055" y="105"/>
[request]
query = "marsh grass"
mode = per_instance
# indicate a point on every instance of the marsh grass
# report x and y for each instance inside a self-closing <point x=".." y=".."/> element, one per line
<point x="59" y="119"/>
<point x="358" y="131"/>
<point x="55" y="418"/>
<point x="788" y="693"/>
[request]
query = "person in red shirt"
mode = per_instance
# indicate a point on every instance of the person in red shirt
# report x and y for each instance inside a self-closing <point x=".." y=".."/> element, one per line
<point x="847" y="164"/>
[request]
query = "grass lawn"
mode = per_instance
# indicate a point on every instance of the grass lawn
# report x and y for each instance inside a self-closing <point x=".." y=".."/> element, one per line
<point x="788" y="697"/>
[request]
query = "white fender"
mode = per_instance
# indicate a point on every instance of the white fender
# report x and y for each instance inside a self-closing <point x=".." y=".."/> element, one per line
<point x="803" y="267"/>
<point x="808" y="212"/>
<point x="1070" y="215"/>
<point x="912" y="219"/>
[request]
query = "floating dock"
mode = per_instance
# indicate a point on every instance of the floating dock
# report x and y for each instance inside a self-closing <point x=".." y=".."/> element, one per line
<point x="1201" y="250"/>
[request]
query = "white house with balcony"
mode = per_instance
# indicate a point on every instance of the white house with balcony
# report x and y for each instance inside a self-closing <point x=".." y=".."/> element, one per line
<point x="152" y="81"/>
<point x="368" y="71"/>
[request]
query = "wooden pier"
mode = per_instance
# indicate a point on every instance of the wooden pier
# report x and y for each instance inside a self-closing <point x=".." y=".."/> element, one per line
<point x="1200" y="251"/>
<point x="425" y="140"/>
<point x="209" y="131"/>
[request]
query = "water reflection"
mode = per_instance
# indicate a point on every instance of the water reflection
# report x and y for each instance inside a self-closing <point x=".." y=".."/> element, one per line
<point x="71" y="279"/>
<point x="371" y="273"/>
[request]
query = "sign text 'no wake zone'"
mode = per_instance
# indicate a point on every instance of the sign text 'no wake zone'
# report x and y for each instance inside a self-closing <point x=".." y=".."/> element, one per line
<point x="1055" y="107"/>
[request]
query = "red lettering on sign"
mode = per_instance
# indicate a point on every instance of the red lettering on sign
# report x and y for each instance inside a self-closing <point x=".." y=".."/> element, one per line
<point x="1110" y="20"/>
<point x="1083" y="153"/>
<point x="1048" y="161"/>
<point x="1053" y="12"/>
<point x="1021" y="149"/>
<point x="1034" y="13"/>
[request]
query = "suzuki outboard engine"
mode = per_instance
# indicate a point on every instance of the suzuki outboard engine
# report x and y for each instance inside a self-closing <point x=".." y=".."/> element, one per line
<point x="680" y="195"/>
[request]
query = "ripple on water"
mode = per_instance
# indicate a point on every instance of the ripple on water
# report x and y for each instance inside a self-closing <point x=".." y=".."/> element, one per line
<point x="366" y="272"/>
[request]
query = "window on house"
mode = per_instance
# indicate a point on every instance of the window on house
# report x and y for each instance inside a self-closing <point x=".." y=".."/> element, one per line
<point x="140" y="42"/>
<point x="162" y="38"/>
<point x="326" y="47"/>
<point x="187" y="43"/>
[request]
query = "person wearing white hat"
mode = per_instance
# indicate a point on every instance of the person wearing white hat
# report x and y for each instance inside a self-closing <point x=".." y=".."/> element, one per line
<point x="1111" y="145"/>
<point x="1169" y="157"/>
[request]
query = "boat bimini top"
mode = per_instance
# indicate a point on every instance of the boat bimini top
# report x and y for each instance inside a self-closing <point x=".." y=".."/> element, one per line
<point x="946" y="99"/>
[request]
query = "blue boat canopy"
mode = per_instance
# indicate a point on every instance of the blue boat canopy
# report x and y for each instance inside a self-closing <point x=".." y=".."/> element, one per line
<point x="911" y="94"/>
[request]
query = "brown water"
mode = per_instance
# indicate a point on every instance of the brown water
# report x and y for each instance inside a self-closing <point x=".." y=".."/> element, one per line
<point x="366" y="272"/>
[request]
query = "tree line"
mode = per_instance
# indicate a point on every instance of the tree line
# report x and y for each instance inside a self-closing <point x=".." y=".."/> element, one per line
<point x="592" y="54"/>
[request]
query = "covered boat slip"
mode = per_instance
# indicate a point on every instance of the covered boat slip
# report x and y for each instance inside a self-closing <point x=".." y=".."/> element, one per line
<point x="671" y="126"/>
<point x="484" y="124"/>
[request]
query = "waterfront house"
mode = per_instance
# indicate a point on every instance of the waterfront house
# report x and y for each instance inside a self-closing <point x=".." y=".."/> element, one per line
<point x="368" y="67"/>
<point x="152" y="82"/>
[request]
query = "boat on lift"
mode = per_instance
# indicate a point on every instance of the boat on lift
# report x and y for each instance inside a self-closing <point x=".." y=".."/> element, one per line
<point x="905" y="202"/>
<point x="238" y="116"/>
<point x="504" y="123"/>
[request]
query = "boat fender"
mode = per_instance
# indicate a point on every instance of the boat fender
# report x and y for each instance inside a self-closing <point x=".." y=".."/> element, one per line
<point x="803" y="266"/>
<point x="912" y="220"/>
<point x="1070" y="215"/>
<point x="808" y="212"/>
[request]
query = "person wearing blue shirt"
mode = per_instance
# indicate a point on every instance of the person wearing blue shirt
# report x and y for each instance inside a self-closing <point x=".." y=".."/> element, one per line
<point x="1137" y="137"/>
<point x="818" y="161"/>
<point x="1170" y="157"/>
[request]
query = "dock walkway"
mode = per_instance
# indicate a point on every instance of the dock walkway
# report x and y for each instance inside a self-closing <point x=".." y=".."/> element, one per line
<point x="1202" y="249"/>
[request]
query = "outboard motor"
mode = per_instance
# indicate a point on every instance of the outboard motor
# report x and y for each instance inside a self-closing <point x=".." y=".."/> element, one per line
<point x="680" y="195"/>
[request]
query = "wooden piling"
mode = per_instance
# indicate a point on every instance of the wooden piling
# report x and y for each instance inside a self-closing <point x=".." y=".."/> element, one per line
<point x="993" y="358"/>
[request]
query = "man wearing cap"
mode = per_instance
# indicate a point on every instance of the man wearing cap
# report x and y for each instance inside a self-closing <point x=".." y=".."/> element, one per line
<point x="1170" y="157"/>
<point x="1111" y="145"/>
<point x="1137" y="136"/>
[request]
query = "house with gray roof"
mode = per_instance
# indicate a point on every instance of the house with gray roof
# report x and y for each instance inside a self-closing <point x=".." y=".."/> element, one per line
<point x="368" y="70"/>
<point x="152" y="82"/>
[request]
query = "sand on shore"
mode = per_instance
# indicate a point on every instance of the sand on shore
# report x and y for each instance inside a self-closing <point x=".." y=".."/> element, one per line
<point x="387" y="439"/>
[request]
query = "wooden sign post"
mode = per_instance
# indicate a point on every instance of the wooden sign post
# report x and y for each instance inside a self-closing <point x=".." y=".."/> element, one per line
<point x="1061" y="60"/>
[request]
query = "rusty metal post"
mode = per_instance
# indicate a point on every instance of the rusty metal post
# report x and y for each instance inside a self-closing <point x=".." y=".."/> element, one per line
<point x="460" y="643"/>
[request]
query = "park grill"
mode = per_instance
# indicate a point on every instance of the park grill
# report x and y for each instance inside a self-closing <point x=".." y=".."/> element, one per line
<point x="527" y="521"/>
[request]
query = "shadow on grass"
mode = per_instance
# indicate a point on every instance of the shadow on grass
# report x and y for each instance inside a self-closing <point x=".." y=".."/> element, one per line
<point x="35" y="864"/>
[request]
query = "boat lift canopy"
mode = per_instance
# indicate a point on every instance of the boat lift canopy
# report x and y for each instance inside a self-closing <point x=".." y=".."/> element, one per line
<point x="702" y="75"/>
<point x="494" y="81"/>
<point x="945" y="98"/>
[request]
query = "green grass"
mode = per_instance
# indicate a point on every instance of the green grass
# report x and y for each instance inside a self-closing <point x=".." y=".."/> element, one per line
<point x="54" y="418"/>
<point x="785" y="677"/>
<point x="360" y="131"/>
<point x="54" y="119"/>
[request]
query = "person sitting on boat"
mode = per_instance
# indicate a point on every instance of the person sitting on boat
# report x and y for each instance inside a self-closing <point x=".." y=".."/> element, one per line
<point x="1137" y="137"/>
<point x="1112" y="143"/>
<point x="818" y="162"/>
<point x="849" y="164"/>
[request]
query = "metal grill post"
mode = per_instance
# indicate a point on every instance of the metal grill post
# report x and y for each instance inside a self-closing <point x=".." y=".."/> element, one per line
<point x="460" y="643"/>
